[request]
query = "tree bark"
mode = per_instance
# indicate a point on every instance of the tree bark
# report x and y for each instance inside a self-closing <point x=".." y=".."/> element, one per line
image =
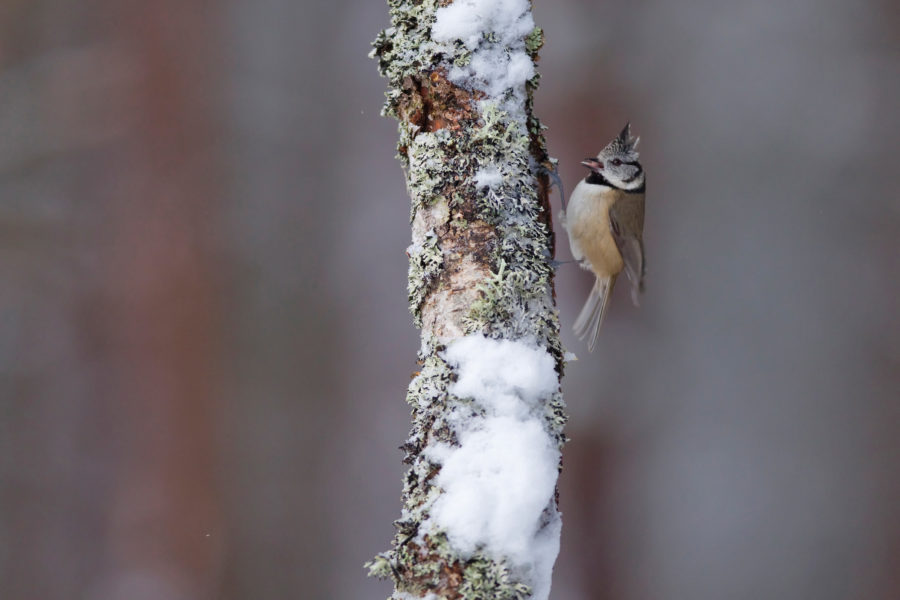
<point x="480" y="264"/>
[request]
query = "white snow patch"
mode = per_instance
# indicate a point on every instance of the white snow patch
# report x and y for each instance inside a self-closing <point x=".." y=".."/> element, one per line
<point x="492" y="371"/>
<point x="498" y="485"/>
<point x="494" y="31"/>
<point x="469" y="20"/>
<point x="408" y="596"/>
<point x="488" y="177"/>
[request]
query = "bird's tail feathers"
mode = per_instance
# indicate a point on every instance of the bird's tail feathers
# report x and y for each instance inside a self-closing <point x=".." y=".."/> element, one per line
<point x="591" y="317"/>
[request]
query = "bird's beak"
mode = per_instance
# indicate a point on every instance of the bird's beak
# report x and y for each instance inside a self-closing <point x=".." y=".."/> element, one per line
<point x="593" y="164"/>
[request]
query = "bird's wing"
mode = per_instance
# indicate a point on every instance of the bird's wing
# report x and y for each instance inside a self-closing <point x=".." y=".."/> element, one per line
<point x="626" y="220"/>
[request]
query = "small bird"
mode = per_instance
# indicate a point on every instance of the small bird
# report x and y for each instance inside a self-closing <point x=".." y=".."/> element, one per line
<point x="605" y="222"/>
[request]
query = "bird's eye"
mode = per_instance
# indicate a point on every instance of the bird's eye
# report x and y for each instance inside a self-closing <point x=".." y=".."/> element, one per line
<point x="616" y="162"/>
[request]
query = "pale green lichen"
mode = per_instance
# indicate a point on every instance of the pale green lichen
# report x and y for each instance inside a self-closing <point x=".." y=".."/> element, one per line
<point x="459" y="223"/>
<point x="534" y="42"/>
<point x="380" y="567"/>
<point x="514" y="301"/>
<point x="425" y="262"/>
<point x="432" y="162"/>
<point x="488" y="579"/>
<point x="405" y="49"/>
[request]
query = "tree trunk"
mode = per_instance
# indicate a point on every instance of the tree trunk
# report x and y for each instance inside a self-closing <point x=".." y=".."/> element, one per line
<point x="480" y="517"/>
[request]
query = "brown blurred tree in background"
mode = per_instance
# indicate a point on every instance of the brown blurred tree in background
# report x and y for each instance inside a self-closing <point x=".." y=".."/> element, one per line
<point x="110" y="181"/>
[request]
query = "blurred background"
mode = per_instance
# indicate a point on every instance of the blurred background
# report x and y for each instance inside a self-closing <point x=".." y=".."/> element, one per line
<point x="204" y="337"/>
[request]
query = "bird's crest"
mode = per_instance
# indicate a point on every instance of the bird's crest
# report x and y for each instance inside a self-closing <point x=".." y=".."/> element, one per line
<point x="624" y="145"/>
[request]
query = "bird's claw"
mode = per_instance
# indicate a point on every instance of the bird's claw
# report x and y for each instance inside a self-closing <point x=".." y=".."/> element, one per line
<point x="553" y="174"/>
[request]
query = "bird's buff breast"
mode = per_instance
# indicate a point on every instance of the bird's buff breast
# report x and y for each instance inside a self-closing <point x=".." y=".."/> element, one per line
<point x="589" y="228"/>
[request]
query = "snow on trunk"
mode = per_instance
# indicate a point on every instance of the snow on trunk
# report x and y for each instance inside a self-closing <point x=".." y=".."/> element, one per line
<point x="480" y="518"/>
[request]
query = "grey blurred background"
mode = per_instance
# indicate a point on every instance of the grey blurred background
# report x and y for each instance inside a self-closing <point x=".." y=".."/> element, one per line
<point x="204" y="341"/>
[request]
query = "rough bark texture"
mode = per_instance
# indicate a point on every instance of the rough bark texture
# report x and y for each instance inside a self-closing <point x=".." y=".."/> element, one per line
<point x="479" y="263"/>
